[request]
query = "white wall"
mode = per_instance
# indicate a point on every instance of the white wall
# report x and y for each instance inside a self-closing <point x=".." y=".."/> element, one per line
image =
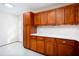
<point x="8" y="28"/>
<point x="20" y="28"/>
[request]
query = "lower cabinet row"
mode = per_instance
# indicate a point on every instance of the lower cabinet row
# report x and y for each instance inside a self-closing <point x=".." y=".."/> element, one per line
<point x="53" y="46"/>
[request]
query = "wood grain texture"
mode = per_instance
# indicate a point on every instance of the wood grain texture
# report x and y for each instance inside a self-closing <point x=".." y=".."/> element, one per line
<point x="66" y="47"/>
<point x="44" y="18"/>
<point x="26" y="41"/>
<point x="70" y="15"/>
<point x="33" y="42"/>
<point x="66" y="41"/>
<point x="40" y="45"/>
<point x="50" y="47"/>
<point x="37" y="19"/>
<point x="28" y="28"/>
<point x="67" y="15"/>
<point x="65" y="50"/>
<point x="52" y="17"/>
<point x="77" y="13"/>
<point x="26" y="18"/>
<point x="60" y="16"/>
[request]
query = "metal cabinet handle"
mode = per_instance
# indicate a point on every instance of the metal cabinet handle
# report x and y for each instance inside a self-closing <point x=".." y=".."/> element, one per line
<point x="41" y="38"/>
<point x="64" y="42"/>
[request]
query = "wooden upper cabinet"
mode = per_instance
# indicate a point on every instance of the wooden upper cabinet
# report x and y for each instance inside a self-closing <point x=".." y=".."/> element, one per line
<point x="77" y="13"/>
<point x="60" y="16"/>
<point x="40" y="18"/>
<point x="27" y="18"/>
<point x="70" y="14"/>
<point x="43" y="18"/>
<point x="37" y="19"/>
<point x="51" y="17"/>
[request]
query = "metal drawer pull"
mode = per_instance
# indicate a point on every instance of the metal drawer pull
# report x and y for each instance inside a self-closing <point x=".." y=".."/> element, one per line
<point x="64" y="42"/>
<point x="41" y="38"/>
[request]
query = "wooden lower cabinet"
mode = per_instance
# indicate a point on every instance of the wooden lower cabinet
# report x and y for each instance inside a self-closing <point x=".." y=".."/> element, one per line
<point x="50" y="47"/>
<point x="26" y="34"/>
<point x="77" y="48"/>
<point x="66" y="47"/>
<point x="40" y="45"/>
<point x="54" y="46"/>
<point x="33" y="43"/>
<point x="65" y="50"/>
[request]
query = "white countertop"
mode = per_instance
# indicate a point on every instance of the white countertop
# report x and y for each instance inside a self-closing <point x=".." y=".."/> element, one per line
<point x="64" y="36"/>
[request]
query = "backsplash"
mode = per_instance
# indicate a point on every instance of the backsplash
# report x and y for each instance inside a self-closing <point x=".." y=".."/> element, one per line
<point x="63" y="29"/>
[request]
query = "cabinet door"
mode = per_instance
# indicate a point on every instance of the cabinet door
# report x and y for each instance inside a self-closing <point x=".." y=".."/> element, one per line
<point x="44" y="18"/>
<point x="37" y="19"/>
<point x="24" y="30"/>
<point x="65" y="50"/>
<point x="70" y="14"/>
<point x="77" y="51"/>
<point x="27" y="18"/>
<point x="33" y="43"/>
<point x="26" y="34"/>
<point x="51" y="17"/>
<point x="50" y="47"/>
<point x="77" y="13"/>
<point x="60" y="16"/>
<point x="40" y="45"/>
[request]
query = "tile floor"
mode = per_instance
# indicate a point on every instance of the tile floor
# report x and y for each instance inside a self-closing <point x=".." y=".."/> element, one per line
<point x="16" y="49"/>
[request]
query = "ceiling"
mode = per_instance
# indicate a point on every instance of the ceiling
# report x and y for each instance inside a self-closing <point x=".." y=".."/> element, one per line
<point x="21" y="7"/>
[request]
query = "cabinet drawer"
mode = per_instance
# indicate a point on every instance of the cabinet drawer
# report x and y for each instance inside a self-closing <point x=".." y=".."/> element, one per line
<point x="40" y="38"/>
<point x="50" y="40"/>
<point x="33" y="37"/>
<point x="65" y="41"/>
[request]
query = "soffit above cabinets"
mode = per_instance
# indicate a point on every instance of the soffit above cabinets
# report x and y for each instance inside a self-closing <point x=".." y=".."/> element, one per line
<point x="35" y="7"/>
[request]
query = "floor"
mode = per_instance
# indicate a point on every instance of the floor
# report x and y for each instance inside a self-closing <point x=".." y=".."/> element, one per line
<point x="16" y="49"/>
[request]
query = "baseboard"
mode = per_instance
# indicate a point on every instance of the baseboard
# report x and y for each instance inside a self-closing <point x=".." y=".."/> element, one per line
<point x="8" y="43"/>
<point x="20" y="41"/>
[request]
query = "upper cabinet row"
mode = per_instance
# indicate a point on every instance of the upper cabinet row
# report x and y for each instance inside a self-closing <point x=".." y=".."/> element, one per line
<point x="60" y="16"/>
<point x="67" y="15"/>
